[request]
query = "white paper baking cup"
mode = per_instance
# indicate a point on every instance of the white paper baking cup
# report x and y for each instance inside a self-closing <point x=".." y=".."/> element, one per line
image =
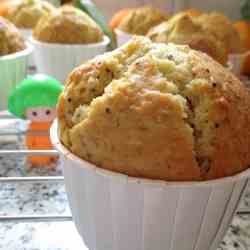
<point x="27" y="33"/>
<point x="58" y="60"/>
<point x="122" y="37"/>
<point x="13" y="69"/>
<point x="115" y="212"/>
<point x="237" y="62"/>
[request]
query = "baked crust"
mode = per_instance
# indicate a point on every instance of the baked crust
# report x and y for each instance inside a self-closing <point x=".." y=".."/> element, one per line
<point x="26" y="14"/>
<point x="139" y="20"/>
<point x="11" y="40"/>
<point x="67" y="25"/>
<point x="183" y="29"/>
<point x="157" y="111"/>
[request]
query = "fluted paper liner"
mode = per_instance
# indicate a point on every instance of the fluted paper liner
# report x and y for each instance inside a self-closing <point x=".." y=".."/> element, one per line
<point x="122" y="37"/>
<point x="58" y="60"/>
<point x="115" y="212"/>
<point x="13" y="69"/>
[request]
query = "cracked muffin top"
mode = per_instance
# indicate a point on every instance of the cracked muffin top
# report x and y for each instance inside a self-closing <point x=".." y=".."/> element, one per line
<point x="183" y="29"/>
<point x="158" y="111"/>
<point x="26" y="14"/>
<point x="139" y="20"/>
<point x="67" y="25"/>
<point x="11" y="40"/>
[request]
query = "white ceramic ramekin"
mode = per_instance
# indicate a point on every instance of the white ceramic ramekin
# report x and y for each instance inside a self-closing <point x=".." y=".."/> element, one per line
<point x="115" y="212"/>
<point x="122" y="37"/>
<point x="13" y="69"/>
<point x="58" y="60"/>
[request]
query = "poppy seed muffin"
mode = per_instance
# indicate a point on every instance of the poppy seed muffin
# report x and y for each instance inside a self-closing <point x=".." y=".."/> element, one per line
<point x="11" y="41"/>
<point x="139" y="20"/>
<point x="26" y="14"/>
<point x="67" y="25"/>
<point x="185" y="30"/>
<point x="159" y="111"/>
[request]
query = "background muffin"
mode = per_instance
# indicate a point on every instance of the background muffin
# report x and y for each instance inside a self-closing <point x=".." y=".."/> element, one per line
<point x="176" y="107"/>
<point x="26" y="14"/>
<point x="67" y="25"/>
<point x="184" y="29"/>
<point x="140" y="20"/>
<point x="223" y="29"/>
<point x="11" y="40"/>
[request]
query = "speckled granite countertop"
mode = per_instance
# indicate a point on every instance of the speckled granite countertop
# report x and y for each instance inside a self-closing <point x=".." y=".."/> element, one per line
<point x="48" y="198"/>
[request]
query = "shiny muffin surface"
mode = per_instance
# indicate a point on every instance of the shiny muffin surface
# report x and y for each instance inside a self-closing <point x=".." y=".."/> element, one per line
<point x="67" y="25"/>
<point x="157" y="111"/>
<point x="11" y="40"/>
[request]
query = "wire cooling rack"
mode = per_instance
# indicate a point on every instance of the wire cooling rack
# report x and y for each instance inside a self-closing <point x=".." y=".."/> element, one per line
<point x="17" y="152"/>
<point x="40" y="179"/>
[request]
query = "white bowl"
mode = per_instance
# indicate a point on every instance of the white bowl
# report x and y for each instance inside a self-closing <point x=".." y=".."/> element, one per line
<point x="58" y="60"/>
<point x="115" y="212"/>
<point x="122" y="37"/>
<point x="13" y="69"/>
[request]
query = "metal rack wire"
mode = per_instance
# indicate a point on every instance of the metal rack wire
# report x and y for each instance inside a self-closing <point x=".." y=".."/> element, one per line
<point x="24" y="152"/>
<point x="17" y="152"/>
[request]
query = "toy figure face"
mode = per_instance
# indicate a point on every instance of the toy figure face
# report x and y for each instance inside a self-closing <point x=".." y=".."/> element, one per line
<point x="41" y="114"/>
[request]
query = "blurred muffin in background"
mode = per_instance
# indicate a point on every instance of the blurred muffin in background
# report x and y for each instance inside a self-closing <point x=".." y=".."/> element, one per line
<point x="223" y="29"/>
<point x="243" y="28"/>
<point x="14" y="53"/>
<point x="118" y="16"/>
<point x="183" y="29"/>
<point x="26" y="14"/>
<point x="67" y="25"/>
<point x="139" y="20"/>
<point x="11" y="41"/>
<point x="192" y="12"/>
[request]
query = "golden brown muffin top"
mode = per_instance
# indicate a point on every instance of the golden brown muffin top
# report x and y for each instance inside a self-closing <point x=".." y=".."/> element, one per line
<point x="159" y="111"/>
<point x="26" y="14"/>
<point x="11" y="40"/>
<point x="140" y="20"/>
<point x="186" y="30"/>
<point x="68" y="25"/>
<point x="223" y="29"/>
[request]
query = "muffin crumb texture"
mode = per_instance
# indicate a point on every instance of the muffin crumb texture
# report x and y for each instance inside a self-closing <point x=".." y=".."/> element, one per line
<point x="157" y="111"/>
<point x="25" y="14"/>
<point x="11" y="41"/>
<point x="67" y="25"/>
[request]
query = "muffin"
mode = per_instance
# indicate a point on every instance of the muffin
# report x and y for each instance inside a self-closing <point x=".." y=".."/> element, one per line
<point x="26" y="14"/>
<point x="175" y="106"/>
<point x="11" y="41"/>
<point x="183" y="29"/>
<point x="223" y="29"/>
<point x="118" y="16"/>
<point x="64" y="39"/>
<point x="68" y="25"/>
<point x="14" y="54"/>
<point x="140" y="20"/>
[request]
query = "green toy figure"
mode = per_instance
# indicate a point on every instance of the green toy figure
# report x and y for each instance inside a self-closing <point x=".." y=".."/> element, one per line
<point x="35" y="99"/>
